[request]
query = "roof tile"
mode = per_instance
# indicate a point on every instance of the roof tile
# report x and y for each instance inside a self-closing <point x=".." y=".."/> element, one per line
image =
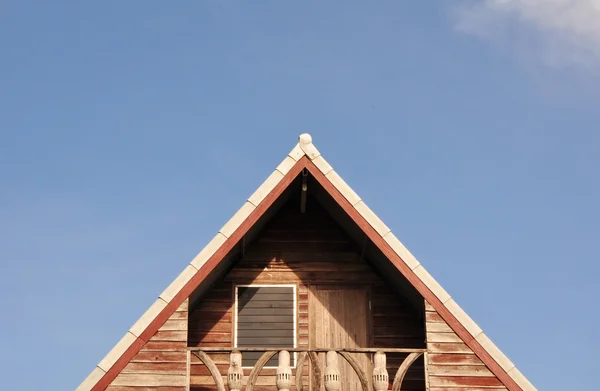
<point x="401" y="250"/>
<point x="208" y="251"/>
<point x="343" y="187"/>
<point x="181" y="280"/>
<point x="521" y="380"/>
<point x="493" y="350"/>
<point x="322" y="164"/>
<point x="286" y="165"/>
<point x="237" y="219"/>
<point x="431" y="283"/>
<point x="372" y="218"/>
<point x="264" y="189"/>
<point x="140" y="325"/>
<point x="109" y="360"/>
<point x="91" y="380"/>
<point x="296" y="153"/>
<point x="463" y="318"/>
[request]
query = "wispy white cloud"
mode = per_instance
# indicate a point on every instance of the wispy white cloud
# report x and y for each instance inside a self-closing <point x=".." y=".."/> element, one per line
<point x="561" y="32"/>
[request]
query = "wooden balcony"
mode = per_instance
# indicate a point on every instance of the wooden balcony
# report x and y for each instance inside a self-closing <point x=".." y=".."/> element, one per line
<point x="322" y="372"/>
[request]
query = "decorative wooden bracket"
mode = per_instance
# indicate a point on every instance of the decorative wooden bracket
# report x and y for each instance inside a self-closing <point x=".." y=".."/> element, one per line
<point x="235" y="374"/>
<point x="299" y="366"/>
<point x="212" y="368"/>
<point x="262" y="361"/>
<point x="364" y="382"/>
<point x="411" y="358"/>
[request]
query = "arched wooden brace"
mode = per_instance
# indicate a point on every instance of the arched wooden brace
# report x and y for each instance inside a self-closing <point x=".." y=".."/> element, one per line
<point x="316" y="371"/>
<point x="212" y="368"/>
<point x="299" y="365"/>
<point x="408" y="361"/>
<point x="262" y="361"/>
<point x="364" y="382"/>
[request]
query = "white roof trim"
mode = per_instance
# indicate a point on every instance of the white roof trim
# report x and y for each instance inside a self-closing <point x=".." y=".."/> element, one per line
<point x="305" y="147"/>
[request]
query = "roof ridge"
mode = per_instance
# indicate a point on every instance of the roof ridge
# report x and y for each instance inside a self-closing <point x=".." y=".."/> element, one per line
<point x="306" y="149"/>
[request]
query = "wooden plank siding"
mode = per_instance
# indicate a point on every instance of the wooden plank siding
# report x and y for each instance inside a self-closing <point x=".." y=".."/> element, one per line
<point x="306" y="250"/>
<point x="161" y="365"/>
<point x="452" y="365"/>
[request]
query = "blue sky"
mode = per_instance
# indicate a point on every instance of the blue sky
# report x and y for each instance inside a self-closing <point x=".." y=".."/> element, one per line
<point x="131" y="131"/>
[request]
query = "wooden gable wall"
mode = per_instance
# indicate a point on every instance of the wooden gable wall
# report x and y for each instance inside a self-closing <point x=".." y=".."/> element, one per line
<point x="158" y="366"/>
<point x="452" y="365"/>
<point x="304" y="249"/>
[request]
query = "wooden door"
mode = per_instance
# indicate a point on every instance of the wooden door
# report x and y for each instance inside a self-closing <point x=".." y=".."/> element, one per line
<point x="339" y="319"/>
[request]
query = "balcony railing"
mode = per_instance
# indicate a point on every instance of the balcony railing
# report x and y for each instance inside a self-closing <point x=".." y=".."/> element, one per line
<point x="330" y="376"/>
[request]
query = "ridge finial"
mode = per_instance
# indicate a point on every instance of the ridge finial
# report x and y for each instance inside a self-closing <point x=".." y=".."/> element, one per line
<point x="305" y="139"/>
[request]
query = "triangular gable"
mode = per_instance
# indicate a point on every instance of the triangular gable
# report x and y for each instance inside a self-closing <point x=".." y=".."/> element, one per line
<point x="304" y="156"/>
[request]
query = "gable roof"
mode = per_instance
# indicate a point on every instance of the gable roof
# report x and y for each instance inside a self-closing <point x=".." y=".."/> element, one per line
<point x="304" y="156"/>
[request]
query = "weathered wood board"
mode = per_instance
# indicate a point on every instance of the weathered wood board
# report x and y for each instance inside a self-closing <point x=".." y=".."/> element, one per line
<point x="452" y="365"/>
<point x="161" y="365"/>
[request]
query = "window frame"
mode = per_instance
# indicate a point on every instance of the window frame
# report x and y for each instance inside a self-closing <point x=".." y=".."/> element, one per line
<point x="295" y="314"/>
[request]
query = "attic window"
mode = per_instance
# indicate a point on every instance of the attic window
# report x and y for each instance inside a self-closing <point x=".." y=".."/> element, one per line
<point x="265" y="317"/>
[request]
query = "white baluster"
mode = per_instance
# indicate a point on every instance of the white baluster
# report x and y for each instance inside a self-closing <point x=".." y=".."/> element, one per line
<point x="380" y="373"/>
<point x="235" y="373"/>
<point x="284" y="372"/>
<point x="332" y="372"/>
